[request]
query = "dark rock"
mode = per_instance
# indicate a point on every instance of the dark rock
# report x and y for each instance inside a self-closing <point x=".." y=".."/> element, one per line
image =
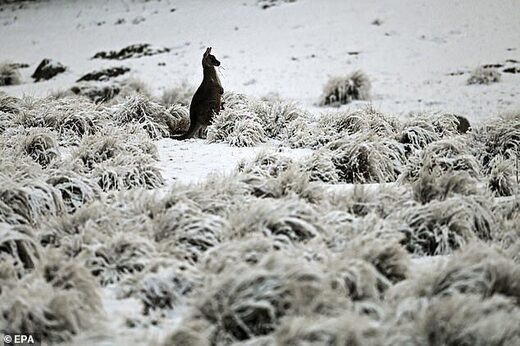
<point x="105" y="74"/>
<point x="47" y="69"/>
<point x="513" y="70"/>
<point x="132" y="51"/>
<point x="492" y="65"/>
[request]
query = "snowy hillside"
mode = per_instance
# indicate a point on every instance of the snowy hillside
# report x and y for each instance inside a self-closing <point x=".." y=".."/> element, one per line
<point x="359" y="185"/>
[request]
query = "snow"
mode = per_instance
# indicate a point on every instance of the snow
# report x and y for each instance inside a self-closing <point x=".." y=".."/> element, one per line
<point x="190" y="161"/>
<point x="290" y="49"/>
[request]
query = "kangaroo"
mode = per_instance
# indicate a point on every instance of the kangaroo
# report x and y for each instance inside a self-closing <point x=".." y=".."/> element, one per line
<point x="207" y="99"/>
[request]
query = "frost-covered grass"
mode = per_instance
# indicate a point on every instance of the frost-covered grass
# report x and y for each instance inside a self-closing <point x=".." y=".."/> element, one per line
<point x="9" y="74"/>
<point x="280" y="250"/>
<point x="484" y="75"/>
<point x="343" y="90"/>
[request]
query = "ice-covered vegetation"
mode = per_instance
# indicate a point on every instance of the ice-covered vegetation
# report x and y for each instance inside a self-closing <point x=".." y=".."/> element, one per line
<point x="272" y="253"/>
<point x="484" y="75"/>
<point x="9" y="74"/>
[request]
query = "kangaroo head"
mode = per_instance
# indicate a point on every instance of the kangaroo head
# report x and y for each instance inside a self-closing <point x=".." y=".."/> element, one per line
<point x="208" y="59"/>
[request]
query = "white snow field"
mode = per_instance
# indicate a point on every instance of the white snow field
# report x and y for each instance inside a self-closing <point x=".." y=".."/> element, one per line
<point x="378" y="222"/>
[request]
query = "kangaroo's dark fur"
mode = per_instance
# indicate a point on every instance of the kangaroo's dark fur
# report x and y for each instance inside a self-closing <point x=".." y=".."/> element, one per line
<point x="207" y="99"/>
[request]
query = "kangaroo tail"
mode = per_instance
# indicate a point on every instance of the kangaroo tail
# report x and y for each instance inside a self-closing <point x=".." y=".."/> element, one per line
<point x="188" y="134"/>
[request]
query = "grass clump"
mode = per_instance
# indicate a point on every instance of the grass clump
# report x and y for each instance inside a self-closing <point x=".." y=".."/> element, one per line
<point x="120" y="256"/>
<point x="430" y="187"/>
<point x="441" y="227"/>
<point x="498" y="137"/>
<point x="181" y="94"/>
<point x="58" y="302"/>
<point x="288" y="220"/>
<point x="483" y="75"/>
<point x="19" y="244"/>
<point x="41" y="145"/>
<point x="9" y="74"/>
<point x="238" y="127"/>
<point x="151" y="116"/>
<point x="366" y="158"/>
<point x="343" y="90"/>
<point x="76" y="190"/>
<point x="9" y="104"/>
<point x="441" y="157"/>
<point x="503" y="177"/>
<point x="27" y="201"/>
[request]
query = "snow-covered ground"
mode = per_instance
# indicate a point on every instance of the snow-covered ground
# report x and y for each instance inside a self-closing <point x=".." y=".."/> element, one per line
<point x="290" y="49"/>
<point x="418" y="58"/>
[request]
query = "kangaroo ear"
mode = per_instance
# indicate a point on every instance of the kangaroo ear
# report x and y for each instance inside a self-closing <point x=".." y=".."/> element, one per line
<point x="208" y="50"/>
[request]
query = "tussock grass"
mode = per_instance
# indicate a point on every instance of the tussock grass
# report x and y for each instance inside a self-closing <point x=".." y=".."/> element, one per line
<point x="76" y="190"/>
<point x="125" y="172"/>
<point x="343" y="90"/>
<point x="498" y="137"/>
<point x="455" y="320"/>
<point x="348" y="329"/>
<point x="503" y="177"/>
<point x="9" y="104"/>
<point x="181" y="94"/>
<point x="418" y="132"/>
<point x="440" y="227"/>
<point x="388" y="257"/>
<point x="128" y="144"/>
<point x="9" y="74"/>
<point x="218" y="195"/>
<point x="483" y="75"/>
<point x="19" y="244"/>
<point x="134" y="86"/>
<point x="119" y="256"/>
<point x="151" y="116"/>
<point x="287" y="220"/>
<point x="358" y="279"/>
<point x="56" y="310"/>
<point x="365" y="201"/>
<point x="27" y="201"/>
<point x="266" y="254"/>
<point x="442" y="157"/>
<point x="306" y="131"/>
<point x="303" y="132"/>
<point x="248" y="122"/>
<point x="163" y="285"/>
<point x="430" y="187"/>
<point x="194" y="332"/>
<point x="70" y="118"/>
<point x="232" y="100"/>
<point x="248" y="250"/>
<point x="289" y="183"/>
<point x="179" y="122"/>
<point x="246" y="303"/>
<point x="187" y="232"/>
<point x="449" y="124"/>
<point x="267" y="163"/>
<point x="320" y="167"/>
<point x="275" y="115"/>
<point x="476" y="269"/>
<point x="41" y="145"/>
<point x="366" y="158"/>
<point x="237" y="126"/>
